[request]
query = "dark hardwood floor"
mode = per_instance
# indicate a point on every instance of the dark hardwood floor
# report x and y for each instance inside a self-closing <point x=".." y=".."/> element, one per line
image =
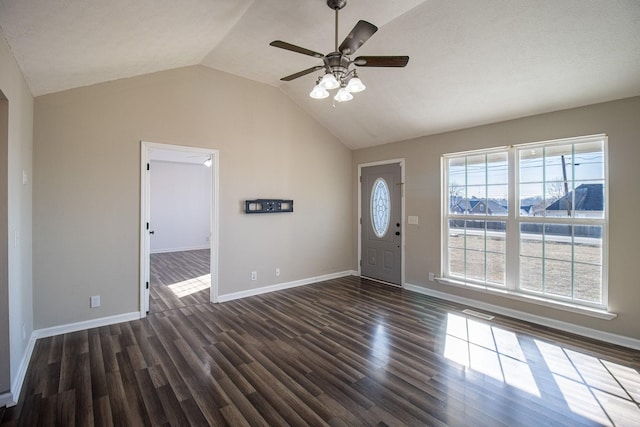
<point x="345" y="352"/>
<point x="179" y="279"/>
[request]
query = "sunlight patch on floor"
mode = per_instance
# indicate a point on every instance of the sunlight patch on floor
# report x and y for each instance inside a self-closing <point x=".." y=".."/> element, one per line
<point x="491" y="351"/>
<point x="596" y="389"/>
<point x="191" y="286"/>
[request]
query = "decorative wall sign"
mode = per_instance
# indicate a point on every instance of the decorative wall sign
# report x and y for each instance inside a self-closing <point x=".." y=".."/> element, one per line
<point x="268" y="206"/>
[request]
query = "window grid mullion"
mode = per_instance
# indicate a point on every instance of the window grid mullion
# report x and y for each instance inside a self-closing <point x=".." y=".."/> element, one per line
<point x="544" y="259"/>
<point x="573" y="216"/>
<point x="512" y="257"/>
<point x="485" y="250"/>
<point x="466" y="196"/>
<point x="573" y="261"/>
<point x="486" y="213"/>
<point x="464" y="252"/>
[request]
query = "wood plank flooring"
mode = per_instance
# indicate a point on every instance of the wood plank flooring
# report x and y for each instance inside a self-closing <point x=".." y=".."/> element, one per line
<point x="179" y="279"/>
<point x="345" y="352"/>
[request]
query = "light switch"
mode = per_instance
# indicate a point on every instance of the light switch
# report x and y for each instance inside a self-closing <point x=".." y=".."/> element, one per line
<point x="95" y="301"/>
<point x="413" y="220"/>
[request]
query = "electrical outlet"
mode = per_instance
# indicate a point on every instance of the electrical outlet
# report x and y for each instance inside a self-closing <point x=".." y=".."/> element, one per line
<point x="277" y="271"/>
<point x="254" y="275"/>
<point x="95" y="301"/>
<point x="431" y="276"/>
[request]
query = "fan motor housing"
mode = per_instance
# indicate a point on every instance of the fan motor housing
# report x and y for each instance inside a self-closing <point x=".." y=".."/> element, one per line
<point x="337" y="63"/>
<point x="336" y="4"/>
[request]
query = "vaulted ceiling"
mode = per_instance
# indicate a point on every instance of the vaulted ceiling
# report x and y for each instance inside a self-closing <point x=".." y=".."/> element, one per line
<point x="472" y="61"/>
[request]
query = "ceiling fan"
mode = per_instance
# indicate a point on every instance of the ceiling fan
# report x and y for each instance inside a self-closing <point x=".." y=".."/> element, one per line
<point x="337" y="63"/>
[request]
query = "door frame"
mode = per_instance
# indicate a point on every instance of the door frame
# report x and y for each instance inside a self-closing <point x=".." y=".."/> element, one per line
<point x="401" y="162"/>
<point x="145" y="211"/>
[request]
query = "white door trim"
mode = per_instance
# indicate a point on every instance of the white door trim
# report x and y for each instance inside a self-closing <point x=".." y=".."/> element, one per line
<point x="402" y="224"/>
<point x="145" y="150"/>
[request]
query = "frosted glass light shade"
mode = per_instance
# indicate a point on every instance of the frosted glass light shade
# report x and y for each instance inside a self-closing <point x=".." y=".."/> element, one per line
<point x="329" y="81"/>
<point x="343" y="95"/>
<point x="355" y="85"/>
<point x="319" y="92"/>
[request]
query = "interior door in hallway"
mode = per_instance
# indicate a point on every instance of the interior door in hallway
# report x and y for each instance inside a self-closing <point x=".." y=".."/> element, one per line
<point x="381" y="205"/>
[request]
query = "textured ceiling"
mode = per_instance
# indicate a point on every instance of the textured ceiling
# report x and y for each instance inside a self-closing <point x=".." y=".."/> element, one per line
<point x="472" y="61"/>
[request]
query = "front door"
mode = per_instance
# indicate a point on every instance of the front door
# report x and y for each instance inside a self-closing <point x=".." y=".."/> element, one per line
<point x="381" y="204"/>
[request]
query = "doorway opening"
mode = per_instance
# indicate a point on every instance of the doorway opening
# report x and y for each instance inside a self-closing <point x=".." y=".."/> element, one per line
<point x="179" y="237"/>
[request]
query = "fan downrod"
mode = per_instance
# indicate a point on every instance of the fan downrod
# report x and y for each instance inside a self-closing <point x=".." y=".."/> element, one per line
<point x="336" y="4"/>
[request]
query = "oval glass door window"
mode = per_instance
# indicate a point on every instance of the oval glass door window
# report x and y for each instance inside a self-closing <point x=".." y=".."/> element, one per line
<point x="380" y="207"/>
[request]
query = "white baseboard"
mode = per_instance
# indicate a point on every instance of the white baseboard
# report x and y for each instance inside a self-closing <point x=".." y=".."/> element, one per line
<point x="533" y="318"/>
<point x="86" y="324"/>
<point x="287" y="285"/>
<point x="6" y="399"/>
<point x="16" y="386"/>
<point x="183" y="249"/>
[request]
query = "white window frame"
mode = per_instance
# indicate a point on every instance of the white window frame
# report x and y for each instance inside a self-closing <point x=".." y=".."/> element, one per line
<point x="513" y="240"/>
<point x="470" y="217"/>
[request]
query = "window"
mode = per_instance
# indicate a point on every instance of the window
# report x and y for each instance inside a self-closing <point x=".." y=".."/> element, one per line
<point x="529" y="219"/>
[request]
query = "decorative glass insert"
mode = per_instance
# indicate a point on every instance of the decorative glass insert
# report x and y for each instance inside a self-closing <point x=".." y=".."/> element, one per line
<point x="380" y="207"/>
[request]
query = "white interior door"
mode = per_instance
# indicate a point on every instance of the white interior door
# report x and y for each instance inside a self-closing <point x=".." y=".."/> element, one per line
<point x="145" y="261"/>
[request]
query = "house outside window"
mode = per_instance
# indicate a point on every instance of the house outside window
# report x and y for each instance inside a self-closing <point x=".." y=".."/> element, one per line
<point x="529" y="219"/>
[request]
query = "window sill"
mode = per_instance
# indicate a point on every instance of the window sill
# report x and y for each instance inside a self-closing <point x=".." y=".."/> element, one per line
<point x="574" y="308"/>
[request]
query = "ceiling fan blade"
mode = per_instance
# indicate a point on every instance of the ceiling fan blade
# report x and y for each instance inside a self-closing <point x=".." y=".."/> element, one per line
<point x="294" y="48"/>
<point x="381" y="61"/>
<point x="356" y="38"/>
<point x="302" y="73"/>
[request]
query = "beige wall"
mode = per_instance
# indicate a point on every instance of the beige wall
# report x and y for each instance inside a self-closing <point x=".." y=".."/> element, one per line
<point x="19" y="138"/>
<point x="620" y="120"/>
<point x="86" y="211"/>
<point x="87" y="186"/>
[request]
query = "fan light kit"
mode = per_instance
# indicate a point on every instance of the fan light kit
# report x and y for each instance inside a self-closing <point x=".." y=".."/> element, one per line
<point x="338" y="74"/>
